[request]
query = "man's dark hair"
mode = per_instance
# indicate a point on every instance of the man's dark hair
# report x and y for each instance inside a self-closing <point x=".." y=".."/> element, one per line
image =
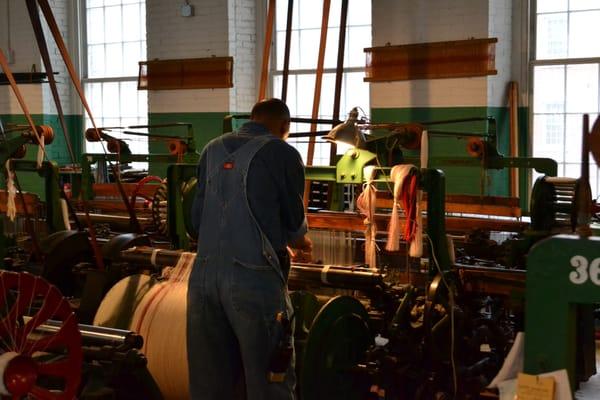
<point x="271" y="109"/>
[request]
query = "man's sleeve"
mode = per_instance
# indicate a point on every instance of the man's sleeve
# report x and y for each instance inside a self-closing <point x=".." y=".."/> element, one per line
<point x="198" y="203"/>
<point x="293" y="207"/>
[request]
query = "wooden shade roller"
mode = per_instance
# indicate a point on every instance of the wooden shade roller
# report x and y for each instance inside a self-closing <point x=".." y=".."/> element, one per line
<point x="456" y="59"/>
<point x="194" y="73"/>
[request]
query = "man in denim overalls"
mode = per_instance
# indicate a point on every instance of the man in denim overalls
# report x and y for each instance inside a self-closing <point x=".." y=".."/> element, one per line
<point x="248" y="209"/>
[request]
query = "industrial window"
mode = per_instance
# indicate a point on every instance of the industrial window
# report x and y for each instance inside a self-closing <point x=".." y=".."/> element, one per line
<point x="565" y="81"/>
<point x="115" y="41"/>
<point x="304" y="50"/>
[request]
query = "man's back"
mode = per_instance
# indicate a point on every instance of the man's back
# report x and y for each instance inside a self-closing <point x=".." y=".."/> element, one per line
<point x="274" y="186"/>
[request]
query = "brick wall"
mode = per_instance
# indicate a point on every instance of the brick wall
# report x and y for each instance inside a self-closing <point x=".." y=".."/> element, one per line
<point x="404" y="22"/>
<point x="171" y="36"/>
<point x="25" y="56"/>
<point x="242" y="19"/>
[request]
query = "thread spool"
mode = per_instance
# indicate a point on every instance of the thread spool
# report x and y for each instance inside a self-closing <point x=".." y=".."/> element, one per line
<point x="475" y="147"/>
<point x="117" y="308"/>
<point x="160" y="317"/>
<point x="44" y="131"/>
<point x="177" y="147"/>
<point x="92" y="135"/>
<point x="113" y="145"/>
<point x="411" y="139"/>
<point x="47" y="132"/>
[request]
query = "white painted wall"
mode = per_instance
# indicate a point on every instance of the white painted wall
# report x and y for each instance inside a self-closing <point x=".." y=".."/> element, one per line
<point x="404" y="22"/>
<point x="243" y="48"/>
<point x="171" y="36"/>
<point x="500" y="26"/>
<point x="22" y="42"/>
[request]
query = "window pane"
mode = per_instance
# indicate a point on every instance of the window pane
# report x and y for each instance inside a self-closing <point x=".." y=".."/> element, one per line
<point x="584" y="5"/>
<point x="294" y="50"/>
<point x="551" y="39"/>
<point x="95" y="25"/>
<point x="331" y="51"/>
<point x="552" y="5"/>
<point x="114" y="59"/>
<point x="359" y="12"/>
<point x="94" y="3"/>
<point x="548" y="136"/>
<point x="113" y="26"/>
<point x="309" y="43"/>
<point x="110" y="100"/>
<point x="583" y="40"/>
<point x="131" y="58"/>
<point x="129" y="99"/>
<point x="358" y="39"/>
<point x="131" y="19"/>
<point x="582" y="88"/>
<point x="549" y="89"/>
<point x="96" y="61"/>
<point x="311" y="14"/>
<point x="306" y="89"/>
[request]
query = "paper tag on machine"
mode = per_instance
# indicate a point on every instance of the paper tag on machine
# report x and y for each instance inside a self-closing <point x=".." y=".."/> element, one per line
<point x="533" y="387"/>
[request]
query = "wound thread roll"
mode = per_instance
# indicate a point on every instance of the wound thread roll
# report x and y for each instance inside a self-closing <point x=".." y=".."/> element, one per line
<point x="160" y="318"/>
<point x="366" y="204"/>
<point x="117" y="308"/>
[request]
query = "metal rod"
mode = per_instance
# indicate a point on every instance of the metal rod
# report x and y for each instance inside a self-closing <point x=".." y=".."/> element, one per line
<point x="286" y="54"/>
<point x="97" y="335"/>
<point x="339" y="75"/>
<point x="301" y="120"/>
<point x="355" y="277"/>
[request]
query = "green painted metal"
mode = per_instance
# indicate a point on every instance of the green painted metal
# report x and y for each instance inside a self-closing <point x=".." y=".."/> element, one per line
<point x="206" y="126"/>
<point x="466" y="179"/>
<point x="50" y="174"/>
<point x="562" y="272"/>
<point x="337" y="341"/>
<point x="177" y="176"/>
<point x="350" y="167"/>
<point x="306" y="306"/>
<point x="434" y="183"/>
<point x="89" y="159"/>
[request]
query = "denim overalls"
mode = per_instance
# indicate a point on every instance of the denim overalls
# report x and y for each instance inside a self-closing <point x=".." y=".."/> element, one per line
<point x="236" y="288"/>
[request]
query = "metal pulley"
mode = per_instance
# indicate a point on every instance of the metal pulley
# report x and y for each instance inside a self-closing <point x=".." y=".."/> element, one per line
<point x="554" y="203"/>
<point x="337" y="342"/>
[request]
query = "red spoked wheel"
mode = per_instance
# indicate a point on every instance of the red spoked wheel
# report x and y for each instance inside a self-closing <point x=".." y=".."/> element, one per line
<point x="138" y="187"/>
<point x="37" y="363"/>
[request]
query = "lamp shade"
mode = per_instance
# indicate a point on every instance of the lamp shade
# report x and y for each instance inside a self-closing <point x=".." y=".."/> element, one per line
<point x="346" y="132"/>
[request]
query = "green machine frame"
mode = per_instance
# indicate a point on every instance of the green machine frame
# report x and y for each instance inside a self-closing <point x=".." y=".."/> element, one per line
<point x="50" y="173"/>
<point x="85" y="187"/>
<point x="563" y="272"/>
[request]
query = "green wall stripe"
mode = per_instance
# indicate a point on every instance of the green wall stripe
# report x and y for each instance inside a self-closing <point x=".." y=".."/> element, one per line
<point x="466" y="180"/>
<point x="57" y="150"/>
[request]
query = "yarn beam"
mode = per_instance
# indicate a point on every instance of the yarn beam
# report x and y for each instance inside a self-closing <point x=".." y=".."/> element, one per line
<point x="160" y="319"/>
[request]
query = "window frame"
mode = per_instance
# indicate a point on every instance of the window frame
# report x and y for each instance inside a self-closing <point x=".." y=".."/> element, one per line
<point x="82" y="43"/>
<point x="276" y="73"/>
<point x="564" y="62"/>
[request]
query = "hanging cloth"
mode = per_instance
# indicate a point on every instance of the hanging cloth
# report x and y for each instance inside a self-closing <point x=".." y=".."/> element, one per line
<point x="366" y="204"/>
<point x="406" y="195"/>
